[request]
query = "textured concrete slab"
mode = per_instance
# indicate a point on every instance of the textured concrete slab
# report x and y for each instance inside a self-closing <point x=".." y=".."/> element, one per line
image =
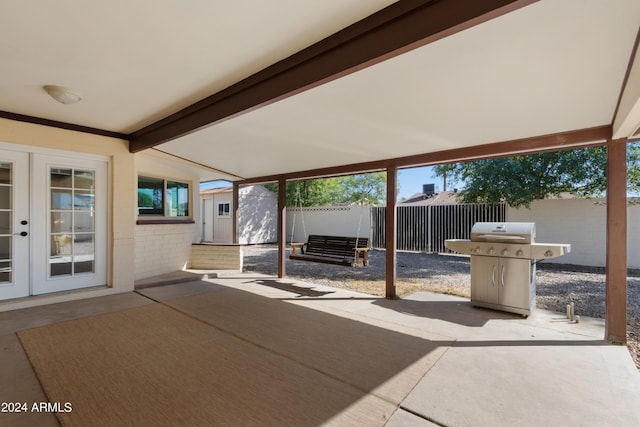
<point x="503" y="369"/>
<point x="402" y="418"/>
<point x="529" y="383"/>
<point x="490" y="368"/>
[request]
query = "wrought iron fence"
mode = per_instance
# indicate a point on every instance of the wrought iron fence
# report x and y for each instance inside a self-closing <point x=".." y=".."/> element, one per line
<point x="425" y="228"/>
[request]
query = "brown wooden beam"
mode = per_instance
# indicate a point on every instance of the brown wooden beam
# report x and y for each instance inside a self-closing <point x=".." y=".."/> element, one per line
<point x="235" y="202"/>
<point x="537" y="144"/>
<point x="62" y="125"/>
<point x="616" y="277"/>
<point x="390" y="232"/>
<point x="282" y="227"/>
<point x="396" y="29"/>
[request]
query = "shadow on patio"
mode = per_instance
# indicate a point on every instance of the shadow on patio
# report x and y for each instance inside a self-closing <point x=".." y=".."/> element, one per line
<point x="246" y="351"/>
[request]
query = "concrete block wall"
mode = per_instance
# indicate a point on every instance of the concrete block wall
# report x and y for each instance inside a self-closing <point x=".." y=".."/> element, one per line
<point x="216" y="257"/>
<point x="350" y="221"/>
<point x="583" y="224"/>
<point x="579" y="222"/>
<point x="162" y="248"/>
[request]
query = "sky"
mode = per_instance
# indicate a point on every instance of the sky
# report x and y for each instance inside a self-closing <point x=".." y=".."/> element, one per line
<point x="410" y="180"/>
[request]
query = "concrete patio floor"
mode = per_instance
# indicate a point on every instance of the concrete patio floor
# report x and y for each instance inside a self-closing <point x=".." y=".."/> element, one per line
<point x="491" y="368"/>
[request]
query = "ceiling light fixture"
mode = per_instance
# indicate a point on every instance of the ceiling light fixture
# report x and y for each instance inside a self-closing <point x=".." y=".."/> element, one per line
<point x="62" y="94"/>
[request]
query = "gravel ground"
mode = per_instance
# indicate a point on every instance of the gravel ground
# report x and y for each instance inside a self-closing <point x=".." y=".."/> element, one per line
<point x="556" y="284"/>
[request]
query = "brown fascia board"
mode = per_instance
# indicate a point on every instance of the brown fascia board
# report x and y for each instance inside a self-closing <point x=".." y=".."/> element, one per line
<point x="398" y="28"/>
<point x="538" y="144"/>
<point x="61" y="125"/>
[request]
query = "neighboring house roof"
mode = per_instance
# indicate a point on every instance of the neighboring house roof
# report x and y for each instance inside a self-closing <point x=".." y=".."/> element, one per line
<point x="443" y="198"/>
<point x="217" y="190"/>
<point x="450" y="198"/>
<point x="249" y="189"/>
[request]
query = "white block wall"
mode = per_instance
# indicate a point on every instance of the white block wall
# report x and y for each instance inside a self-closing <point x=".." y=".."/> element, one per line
<point x="216" y="257"/>
<point x="582" y="223"/>
<point x="162" y="248"/>
<point x="349" y="221"/>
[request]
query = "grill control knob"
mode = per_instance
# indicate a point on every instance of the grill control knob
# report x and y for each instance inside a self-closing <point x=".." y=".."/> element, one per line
<point x="476" y="250"/>
<point x="548" y="253"/>
<point x="519" y="252"/>
<point x="490" y="251"/>
<point x="504" y="252"/>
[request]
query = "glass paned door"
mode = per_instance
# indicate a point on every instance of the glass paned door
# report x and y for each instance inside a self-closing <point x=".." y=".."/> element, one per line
<point x="6" y="217"/>
<point x="72" y="222"/>
<point x="14" y="225"/>
<point x="70" y="238"/>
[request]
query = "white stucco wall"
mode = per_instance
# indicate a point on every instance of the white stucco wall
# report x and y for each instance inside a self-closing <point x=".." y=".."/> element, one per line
<point x="257" y="216"/>
<point x="582" y="223"/>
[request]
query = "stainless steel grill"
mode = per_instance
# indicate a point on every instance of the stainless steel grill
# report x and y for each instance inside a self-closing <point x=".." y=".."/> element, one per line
<point x="503" y="264"/>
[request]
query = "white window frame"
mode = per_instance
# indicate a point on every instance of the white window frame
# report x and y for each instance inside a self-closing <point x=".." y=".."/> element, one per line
<point x="226" y="213"/>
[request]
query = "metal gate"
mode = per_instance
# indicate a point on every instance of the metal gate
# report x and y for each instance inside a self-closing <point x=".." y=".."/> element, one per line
<point x="425" y="228"/>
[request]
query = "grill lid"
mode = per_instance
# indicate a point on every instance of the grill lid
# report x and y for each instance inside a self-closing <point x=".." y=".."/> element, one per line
<point x="512" y="232"/>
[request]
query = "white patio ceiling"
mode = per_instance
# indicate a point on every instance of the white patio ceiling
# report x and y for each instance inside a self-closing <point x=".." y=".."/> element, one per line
<point x="552" y="66"/>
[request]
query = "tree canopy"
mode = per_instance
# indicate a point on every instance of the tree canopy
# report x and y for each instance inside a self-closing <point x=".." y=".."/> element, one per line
<point x="519" y="180"/>
<point x="361" y="189"/>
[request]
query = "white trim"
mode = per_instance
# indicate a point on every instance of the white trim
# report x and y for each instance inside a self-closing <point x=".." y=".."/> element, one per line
<point x="53" y="152"/>
<point x="224" y="215"/>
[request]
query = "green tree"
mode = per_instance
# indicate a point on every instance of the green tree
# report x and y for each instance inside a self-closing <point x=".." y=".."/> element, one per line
<point x="144" y="200"/>
<point x="310" y="192"/>
<point x="519" y="180"/>
<point x="362" y="189"/>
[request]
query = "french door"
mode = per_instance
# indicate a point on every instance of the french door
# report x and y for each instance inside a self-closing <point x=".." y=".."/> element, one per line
<point x="14" y="224"/>
<point x="53" y="226"/>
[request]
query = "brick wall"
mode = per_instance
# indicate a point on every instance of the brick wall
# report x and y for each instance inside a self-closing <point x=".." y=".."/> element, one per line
<point x="216" y="257"/>
<point x="162" y="248"/>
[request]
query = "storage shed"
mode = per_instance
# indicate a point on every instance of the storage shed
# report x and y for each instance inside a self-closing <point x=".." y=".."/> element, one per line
<point x="257" y="217"/>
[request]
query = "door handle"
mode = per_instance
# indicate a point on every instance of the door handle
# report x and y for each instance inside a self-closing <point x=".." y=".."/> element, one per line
<point x="502" y="276"/>
<point x="493" y="276"/>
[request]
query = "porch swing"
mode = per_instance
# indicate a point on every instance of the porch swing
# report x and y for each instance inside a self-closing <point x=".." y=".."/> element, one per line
<point x="338" y="250"/>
